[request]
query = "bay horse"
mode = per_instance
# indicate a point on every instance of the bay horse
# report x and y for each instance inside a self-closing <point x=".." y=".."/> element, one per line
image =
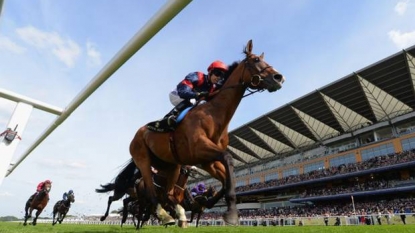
<point x="123" y="185"/>
<point x="169" y="201"/>
<point x="61" y="208"/>
<point x="197" y="204"/>
<point x="202" y="136"/>
<point x="38" y="203"/>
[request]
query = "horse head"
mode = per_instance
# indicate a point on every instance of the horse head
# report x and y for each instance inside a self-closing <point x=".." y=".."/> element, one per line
<point x="261" y="74"/>
<point x="211" y="191"/>
<point x="188" y="171"/>
<point x="71" y="197"/>
<point x="47" y="187"/>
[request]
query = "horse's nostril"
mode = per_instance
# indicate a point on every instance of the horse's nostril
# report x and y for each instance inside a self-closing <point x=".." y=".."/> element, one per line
<point x="279" y="78"/>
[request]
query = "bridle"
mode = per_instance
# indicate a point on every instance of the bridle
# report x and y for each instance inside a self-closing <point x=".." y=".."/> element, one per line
<point x="256" y="79"/>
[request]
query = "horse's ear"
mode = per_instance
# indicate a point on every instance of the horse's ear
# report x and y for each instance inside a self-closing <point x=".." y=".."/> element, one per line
<point x="262" y="56"/>
<point x="248" y="49"/>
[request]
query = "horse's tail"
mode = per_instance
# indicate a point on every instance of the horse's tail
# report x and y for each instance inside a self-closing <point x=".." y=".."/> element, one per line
<point x="123" y="181"/>
<point x="106" y="188"/>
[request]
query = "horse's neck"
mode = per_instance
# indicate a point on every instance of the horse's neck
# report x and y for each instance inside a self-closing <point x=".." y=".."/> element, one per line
<point x="67" y="202"/>
<point x="42" y="194"/>
<point x="228" y="98"/>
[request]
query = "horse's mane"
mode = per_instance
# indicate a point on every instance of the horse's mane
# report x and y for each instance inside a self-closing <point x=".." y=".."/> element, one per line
<point x="231" y="68"/>
<point x="228" y="73"/>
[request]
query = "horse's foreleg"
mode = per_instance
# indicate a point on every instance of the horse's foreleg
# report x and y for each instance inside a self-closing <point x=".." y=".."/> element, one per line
<point x="53" y="218"/>
<point x="62" y="217"/>
<point x="165" y="218"/>
<point x="25" y="219"/>
<point x="36" y="216"/>
<point x="108" y="209"/>
<point x="180" y="212"/>
<point x="125" y="210"/>
<point x="198" y="218"/>
<point x="192" y="215"/>
<point x="231" y="215"/>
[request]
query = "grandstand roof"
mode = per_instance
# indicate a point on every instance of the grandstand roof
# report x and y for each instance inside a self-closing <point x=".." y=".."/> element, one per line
<point x="377" y="93"/>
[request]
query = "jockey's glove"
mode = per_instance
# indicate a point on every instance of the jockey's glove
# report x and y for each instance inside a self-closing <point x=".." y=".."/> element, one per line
<point x="202" y="94"/>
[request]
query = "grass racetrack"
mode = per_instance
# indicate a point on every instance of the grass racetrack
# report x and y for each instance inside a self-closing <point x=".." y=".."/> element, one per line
<point x="13" y="227"/>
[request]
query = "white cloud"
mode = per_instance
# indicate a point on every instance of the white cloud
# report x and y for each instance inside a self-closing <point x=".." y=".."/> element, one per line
<point x="401" y="7"/>
<point x="5" y="194"/>
<point x="65" y="50"/>
<point x="402" y="40"/>
<point x="77" y="165"/>
<point x="60" y="164"/>
<point x="7" y="44"/>
<point x="94" y="57"/>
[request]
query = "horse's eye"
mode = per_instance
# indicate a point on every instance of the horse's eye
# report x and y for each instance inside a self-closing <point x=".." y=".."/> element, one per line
<point x="256" y="59"/>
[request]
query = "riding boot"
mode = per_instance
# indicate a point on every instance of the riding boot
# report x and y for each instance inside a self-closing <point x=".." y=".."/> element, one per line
<point x="174" y="113"/>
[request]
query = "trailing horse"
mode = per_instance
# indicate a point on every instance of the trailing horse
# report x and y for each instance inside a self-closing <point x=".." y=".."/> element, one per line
<point x="197" y="204"/>
<point x="202" y="136"/>
<point x="38" y="203"/>
<point x="61" y="208"/>
<point x="144" y="205"/>
<point x="122" y="185"/>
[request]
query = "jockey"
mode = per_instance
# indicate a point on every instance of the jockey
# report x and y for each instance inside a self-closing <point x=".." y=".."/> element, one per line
<point x="195" y="85"/>
<point x="67" y="194"/>
<point x="41" y="185"/>
<point x="39" y="188"/>
<point x="199" y="189"/>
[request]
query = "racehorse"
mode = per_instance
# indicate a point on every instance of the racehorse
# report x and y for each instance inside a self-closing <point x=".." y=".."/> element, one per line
<point x="38" y="203"/>
<point x="144" y="205"/>
<point x="202" y="136"/>
<point x="61" y="208"/>
<point x="123" y="184"/>
<point x="198" y="204"/>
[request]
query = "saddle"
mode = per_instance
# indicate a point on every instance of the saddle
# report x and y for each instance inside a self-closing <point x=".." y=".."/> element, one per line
<point x="161" y="126"/>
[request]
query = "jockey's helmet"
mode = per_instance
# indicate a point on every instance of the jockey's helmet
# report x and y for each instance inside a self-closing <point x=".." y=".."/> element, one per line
<point x="217" y="65"/>
<point x="201" y="186"/>
<point x="47" y="182"/>
<point x="70" y="191"/>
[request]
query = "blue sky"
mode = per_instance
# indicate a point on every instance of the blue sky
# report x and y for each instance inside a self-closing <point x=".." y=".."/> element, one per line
<point x="50" y="50"/>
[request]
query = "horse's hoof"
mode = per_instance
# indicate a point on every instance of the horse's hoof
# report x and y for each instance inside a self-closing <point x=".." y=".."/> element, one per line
<point x="24" y="224"/>
<point x="231" y="218"/>
<point x="182" y="224"/>
<point x="168" y="220"/>
<point x="102" y="218"/>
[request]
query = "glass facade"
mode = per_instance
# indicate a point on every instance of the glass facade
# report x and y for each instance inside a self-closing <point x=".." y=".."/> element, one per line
<point x="408" y="144"/>
<point x="272" y="176"/>
<point x="344" y="159"/>
<point x="377" y="151"/>
<point x="290" y="171"/>
<point x="313" y="166"/>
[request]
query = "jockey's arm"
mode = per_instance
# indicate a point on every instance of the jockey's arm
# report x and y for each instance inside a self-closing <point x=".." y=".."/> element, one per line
<point x="186" y="88"/>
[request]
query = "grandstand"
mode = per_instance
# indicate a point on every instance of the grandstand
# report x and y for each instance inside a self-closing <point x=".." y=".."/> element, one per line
<point x="350" y="143"/>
